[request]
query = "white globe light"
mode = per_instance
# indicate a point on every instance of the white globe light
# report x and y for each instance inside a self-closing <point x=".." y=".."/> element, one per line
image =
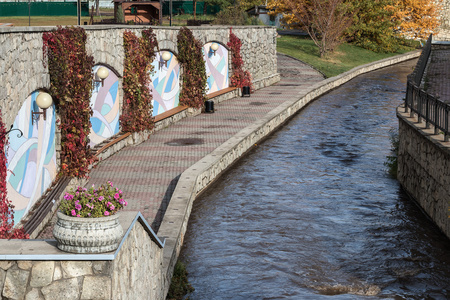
<point x="214" y="46"/>
<point x="44" y="100"/>
<point x="166" y="56"/>
<point x="102" y="73"/>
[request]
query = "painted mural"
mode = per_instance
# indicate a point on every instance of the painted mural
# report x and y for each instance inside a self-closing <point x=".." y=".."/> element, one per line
<point x="31" y="158"/>
<point x="165" y="85"/>
<point x="105" y="106"/>
<point x="216" y="67"/>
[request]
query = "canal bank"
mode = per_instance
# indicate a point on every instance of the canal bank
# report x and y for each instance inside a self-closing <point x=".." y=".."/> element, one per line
<point x="200" y="175"/>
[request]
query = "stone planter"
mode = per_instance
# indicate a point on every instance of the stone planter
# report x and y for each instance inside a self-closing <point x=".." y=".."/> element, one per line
<point x="87" y="235"/>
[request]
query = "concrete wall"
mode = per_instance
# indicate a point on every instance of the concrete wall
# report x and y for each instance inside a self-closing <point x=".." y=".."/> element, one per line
<point x="424" y="168"/>
<point x="44" y="272"/>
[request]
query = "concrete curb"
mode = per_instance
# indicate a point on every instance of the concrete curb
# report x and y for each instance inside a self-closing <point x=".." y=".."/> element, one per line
<point x="204" y="172"/>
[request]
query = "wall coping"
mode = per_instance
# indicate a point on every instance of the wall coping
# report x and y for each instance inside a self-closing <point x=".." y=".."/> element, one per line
<point x="31" y="29"/>
<point x="45" y="250"/>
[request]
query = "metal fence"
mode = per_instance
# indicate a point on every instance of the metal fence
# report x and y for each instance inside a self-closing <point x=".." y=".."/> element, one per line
<point x="427" y="107"/>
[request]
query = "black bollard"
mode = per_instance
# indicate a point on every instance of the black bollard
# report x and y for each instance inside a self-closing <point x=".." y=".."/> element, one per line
<point x="209" y="106"/>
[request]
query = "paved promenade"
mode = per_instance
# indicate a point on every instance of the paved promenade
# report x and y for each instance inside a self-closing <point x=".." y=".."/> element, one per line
<point x="148" y="173"/>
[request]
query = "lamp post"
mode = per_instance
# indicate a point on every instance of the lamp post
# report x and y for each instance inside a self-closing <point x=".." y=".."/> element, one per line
<point x="102" y="74"/>
<point x="165" y="57"/>
<point x="214" y="48"/>
<point x="43" y="101"/>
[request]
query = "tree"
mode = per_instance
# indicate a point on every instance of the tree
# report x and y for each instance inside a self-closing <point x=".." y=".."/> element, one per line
<point x="324" y="20"/>
<point x="374" y="25"/>
<point x="418" y="18"/>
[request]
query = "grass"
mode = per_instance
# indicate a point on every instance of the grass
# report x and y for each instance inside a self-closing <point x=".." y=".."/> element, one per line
<point x="345" y="58"/>
<point x="47" y="20"/>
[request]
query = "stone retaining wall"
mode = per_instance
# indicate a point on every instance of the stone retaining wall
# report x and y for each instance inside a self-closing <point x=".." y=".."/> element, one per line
<point x="43" y="272"/>
<point x="21" y="55"/>
<point x="424" y="168"/>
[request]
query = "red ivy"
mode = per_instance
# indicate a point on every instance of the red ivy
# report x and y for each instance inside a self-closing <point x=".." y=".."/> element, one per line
<point x="70" y="69"/>
<point x="193" y="91"/>
<point x="139" y="54"/>
<point x="7" y="230"/>
<point x="240" y="77"/>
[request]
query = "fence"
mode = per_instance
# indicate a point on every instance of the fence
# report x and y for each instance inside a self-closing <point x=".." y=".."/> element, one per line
<point x="15" y="9"/>
<point x="427" y="107"/>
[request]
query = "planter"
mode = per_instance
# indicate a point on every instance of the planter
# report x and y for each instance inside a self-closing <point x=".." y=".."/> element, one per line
<point x="87" y="235"/>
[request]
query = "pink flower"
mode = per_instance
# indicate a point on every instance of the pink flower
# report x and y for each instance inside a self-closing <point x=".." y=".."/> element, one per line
<point x="116" y="196"/>
<point x="108" y="204"/>
<point x="106" y="213"/>
<point x="101" y="198"/>
<point x="73" y="212"/>
<point x="78" y="216"/>
<point x="112" y="207"/>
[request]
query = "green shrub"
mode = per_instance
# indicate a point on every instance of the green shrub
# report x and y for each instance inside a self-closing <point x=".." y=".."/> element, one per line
<point x="179" y="286"/>
<point x="392" y="160"/>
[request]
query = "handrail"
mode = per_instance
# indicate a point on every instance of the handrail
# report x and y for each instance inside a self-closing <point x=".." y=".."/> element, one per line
<point x="434" y="111"/>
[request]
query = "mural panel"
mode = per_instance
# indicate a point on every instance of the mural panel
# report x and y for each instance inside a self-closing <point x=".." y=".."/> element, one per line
<point x="105" y="106"/>
<point x="216" y="67"/>
<point x="31" y="158"/>
<point x="165" y="85"/>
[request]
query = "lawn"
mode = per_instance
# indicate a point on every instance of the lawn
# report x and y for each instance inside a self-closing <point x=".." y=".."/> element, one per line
<point x="345" y="58"/>
<point x="48" y="20"/>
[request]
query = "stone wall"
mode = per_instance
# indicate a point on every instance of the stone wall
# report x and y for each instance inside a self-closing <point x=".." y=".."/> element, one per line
<point x="21" y="55"/>
<point x="444" y="28"/>
<point x="424" y="168"/>
<point x="134" y="271"/>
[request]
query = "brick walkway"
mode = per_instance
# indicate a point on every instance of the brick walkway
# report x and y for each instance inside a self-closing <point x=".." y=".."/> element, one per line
<point x="148" y="173"/>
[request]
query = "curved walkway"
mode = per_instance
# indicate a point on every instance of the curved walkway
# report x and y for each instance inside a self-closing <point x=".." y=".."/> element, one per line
<point x="148" y="173"/>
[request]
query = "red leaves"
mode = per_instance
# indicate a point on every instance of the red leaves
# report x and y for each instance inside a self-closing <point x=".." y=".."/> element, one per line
<point x="70" y="69"/>
<point x="240" y="78"/>
<point x="7" y="230"/>
<point x="193" y="91"/>
<point x="139" y="54"/>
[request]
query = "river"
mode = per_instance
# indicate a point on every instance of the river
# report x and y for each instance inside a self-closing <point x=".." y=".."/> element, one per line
<point x="311" y="212"/>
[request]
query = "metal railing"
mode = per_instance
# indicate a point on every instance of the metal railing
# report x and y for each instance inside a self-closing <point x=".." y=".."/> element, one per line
<point x="425" y="106"/>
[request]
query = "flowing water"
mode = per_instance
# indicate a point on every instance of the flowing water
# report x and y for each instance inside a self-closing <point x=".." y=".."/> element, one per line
<point x="311" y="213"/>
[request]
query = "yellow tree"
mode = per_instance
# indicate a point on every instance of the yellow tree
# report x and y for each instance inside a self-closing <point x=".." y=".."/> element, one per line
<point x="324" y="20"/>
<point x="418" y="18"/>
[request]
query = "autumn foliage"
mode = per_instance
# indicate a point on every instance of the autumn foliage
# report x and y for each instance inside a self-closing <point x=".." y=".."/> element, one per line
<point x="70" y="69"/>
<point x="418" y="18"/>
<point x="324" y="20"/>
<point x="7" y="230"/>
<point x="377" y="25"/>
<point x="194" y="80"/>
<point x="139" y="54"/>
<point x="240" y="77"/>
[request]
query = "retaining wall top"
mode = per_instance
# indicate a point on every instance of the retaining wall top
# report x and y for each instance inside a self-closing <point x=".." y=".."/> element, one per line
<point x="47" y="250"/>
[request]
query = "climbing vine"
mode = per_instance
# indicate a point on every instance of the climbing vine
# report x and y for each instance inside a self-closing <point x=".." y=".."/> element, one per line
<point x="70" y="69"/>
<point x="193" y="91"/>
<point x="240" y="77"/>
<point x="137" y="107"/>
<point x="7" y="230"/>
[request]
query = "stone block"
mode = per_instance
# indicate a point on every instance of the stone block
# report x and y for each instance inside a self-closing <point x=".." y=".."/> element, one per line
<point x="34" y="295"/>
<point x="24" y="265"/>
<point x="5" y="265"/>
<point x="15" y="283"/>
<point x="63" y="289"/>
<point x="96" y="287"/>
<point x="42" y="273"/>
<point x="76" y="268"/>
